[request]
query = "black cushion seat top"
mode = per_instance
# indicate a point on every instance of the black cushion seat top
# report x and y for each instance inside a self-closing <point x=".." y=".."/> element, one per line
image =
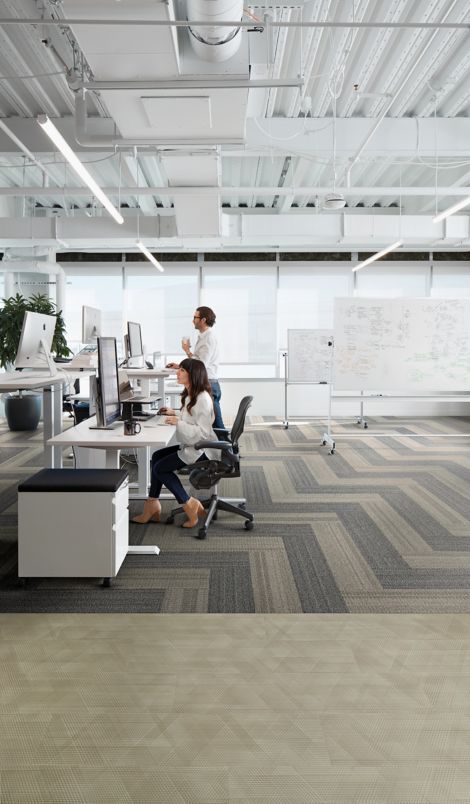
<point x="91" y="480"/>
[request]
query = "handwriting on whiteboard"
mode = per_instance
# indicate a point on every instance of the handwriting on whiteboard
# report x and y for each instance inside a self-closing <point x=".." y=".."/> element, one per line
<point x="405" y="344"/>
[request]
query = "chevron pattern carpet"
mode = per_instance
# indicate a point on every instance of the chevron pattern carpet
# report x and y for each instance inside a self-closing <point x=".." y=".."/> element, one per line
<point x="383" y="525"/>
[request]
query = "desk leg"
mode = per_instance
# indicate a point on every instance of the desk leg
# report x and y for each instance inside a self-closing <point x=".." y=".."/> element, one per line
<point x="143" y="476"/>
<point x="143" y="458"/>
<point x="52" y="420"/>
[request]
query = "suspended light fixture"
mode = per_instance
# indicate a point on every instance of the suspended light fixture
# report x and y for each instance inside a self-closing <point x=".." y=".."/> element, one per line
<point x="54" y="134"/>
<point x="446" y="213"/>
<point x="378" y="255"/>
<point x="149" y="256"/>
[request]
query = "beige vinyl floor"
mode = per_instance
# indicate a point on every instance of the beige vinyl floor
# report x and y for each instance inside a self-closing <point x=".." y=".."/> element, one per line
<point x="232" y="709"/>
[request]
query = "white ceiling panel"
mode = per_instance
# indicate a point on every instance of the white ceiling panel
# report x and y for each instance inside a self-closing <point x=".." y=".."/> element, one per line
<point x="383" y="117"/>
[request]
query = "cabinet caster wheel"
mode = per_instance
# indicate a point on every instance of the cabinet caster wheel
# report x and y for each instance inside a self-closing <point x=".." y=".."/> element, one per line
<point x="106" y="583"/>
<point x="249" y="525"/>
<point x="169" y="520"/>
<point x="22" y="583"/>
<point x="201" y="534"/>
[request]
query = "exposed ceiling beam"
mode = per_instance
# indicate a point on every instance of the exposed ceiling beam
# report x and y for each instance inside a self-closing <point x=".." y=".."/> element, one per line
<point x="231" y="191"/>
<point x="193" y="83"/>
<point x="231" y="24"/>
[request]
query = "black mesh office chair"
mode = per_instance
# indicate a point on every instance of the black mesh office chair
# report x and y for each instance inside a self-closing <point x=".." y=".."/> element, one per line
<point x="206" y="474"/>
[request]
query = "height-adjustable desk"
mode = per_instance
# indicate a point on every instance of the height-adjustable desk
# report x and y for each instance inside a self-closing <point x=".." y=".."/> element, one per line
<point x="154" y="434"/>
<point x="145" y="376"/>
<point x="51" y="405"/>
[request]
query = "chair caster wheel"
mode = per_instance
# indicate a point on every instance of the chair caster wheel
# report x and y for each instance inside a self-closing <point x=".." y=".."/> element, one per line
<point x="249" y="525"/>
<point x="323" y="443"/>
<point x="242" y="506"/>
<point x="201" y="534"/>
<point x="106" y="583"/>
<point x="169" y="520"/>
<point x="214" y="518"/>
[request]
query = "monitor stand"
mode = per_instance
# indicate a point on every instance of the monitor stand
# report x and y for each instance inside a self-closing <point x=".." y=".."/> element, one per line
<point x="112" y="426"/>
<point x="47" y="370"/>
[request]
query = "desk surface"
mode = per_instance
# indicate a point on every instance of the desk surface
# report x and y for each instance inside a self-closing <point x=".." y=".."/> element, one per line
<point x="19" y="381"/>
<point x="154" y="433"/>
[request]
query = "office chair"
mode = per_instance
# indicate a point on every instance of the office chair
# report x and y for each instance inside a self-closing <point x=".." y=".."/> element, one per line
<point x="205" y="474"/>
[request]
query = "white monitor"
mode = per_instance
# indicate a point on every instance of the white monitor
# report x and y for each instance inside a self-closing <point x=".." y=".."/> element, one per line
<point x="134" y="339"/>
<point x="34" y="350"/>
<point x="91" y="324"/>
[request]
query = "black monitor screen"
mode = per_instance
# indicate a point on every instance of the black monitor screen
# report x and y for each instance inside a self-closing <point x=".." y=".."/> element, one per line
<point x="108" y="380"/>
<point x="134" y="339"/>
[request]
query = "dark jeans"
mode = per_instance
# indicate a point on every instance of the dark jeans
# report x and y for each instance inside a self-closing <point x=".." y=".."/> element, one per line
<point x="164" y="464"/>
<point x="216" y="394"/>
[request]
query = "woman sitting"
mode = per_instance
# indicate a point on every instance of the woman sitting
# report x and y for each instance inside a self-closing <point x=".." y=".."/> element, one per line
<point x="192" y="425"/>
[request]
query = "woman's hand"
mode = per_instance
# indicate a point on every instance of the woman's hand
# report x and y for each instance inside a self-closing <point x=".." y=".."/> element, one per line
<point x="171" y="420"/>
<point x="167" y="411"/>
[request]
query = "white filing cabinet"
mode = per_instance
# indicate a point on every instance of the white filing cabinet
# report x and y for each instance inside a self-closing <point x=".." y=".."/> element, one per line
<point x="73" y="523"/>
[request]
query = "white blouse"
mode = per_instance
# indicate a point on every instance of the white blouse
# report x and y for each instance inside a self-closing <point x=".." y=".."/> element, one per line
<point x="195" y="425"/>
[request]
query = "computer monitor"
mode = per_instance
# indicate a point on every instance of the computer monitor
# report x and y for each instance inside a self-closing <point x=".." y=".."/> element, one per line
<point x="134" y="339"/>
<point x="91" y="324"/>
<point x="34" y="350"/>
<point x="108" y="406"/>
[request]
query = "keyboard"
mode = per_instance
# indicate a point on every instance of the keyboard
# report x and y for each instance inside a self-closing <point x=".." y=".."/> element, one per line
<point x="143" y="417"/>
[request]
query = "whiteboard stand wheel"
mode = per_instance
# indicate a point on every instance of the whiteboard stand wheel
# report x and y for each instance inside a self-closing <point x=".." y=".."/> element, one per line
<point x="365" y="425"/>
<point x="286" y="425"/>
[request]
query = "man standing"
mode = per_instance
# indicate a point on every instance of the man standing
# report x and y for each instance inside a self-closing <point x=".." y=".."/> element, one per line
<point x="207" y="350"/>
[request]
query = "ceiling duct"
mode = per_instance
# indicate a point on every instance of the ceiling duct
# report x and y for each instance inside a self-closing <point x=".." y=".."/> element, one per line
<point x="213" y="42"/>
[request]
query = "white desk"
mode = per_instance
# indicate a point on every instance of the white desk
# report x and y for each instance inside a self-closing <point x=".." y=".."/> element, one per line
<point x="51" y="388"/>
<point x="146" y="375"/>
<point x="154" y="434"/>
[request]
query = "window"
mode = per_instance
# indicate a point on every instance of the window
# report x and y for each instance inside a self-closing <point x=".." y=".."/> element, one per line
<point x="451" y="280"/>
<point x="104" y="291"/>
<point x="390" y="279"/>
<point x="244" y="300"/>
<point x="306" y="296"/>
<point x="163" y="304"/>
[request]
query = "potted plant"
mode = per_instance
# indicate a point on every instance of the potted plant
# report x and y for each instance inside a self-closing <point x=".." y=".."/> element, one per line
<point x="23" y="410"/>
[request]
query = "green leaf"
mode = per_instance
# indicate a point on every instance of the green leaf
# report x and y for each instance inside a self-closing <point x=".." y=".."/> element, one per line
<point x="11" y="323"/>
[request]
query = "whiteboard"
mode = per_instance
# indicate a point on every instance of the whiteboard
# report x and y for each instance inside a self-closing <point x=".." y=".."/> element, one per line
<point x="402" y="344"/>
<point x="309" y="355"/>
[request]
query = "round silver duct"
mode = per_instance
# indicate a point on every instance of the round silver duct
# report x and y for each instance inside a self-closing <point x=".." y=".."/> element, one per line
<point x="213" y="42"/>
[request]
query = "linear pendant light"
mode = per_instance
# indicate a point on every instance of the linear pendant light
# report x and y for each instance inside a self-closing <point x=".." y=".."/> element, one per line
<point x="54" y="134"/>
<point x="446" y="213"/>
<point x="149" y="255"/>
<point x="378" y="255"/>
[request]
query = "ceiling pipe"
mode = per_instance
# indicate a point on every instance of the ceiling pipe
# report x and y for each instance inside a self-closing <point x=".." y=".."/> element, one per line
<point x="66" y="23"/>
<point x="214" y="42"/>
<point x="393" y="98"/>
<point x="25" y="150"/>
<point x="84" y="192"/>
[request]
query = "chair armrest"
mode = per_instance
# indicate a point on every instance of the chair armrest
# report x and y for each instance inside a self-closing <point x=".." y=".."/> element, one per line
<point x="222" y="445"/>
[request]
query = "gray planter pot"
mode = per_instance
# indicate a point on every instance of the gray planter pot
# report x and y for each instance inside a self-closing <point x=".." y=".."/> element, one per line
<point x="23" y="412"/>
